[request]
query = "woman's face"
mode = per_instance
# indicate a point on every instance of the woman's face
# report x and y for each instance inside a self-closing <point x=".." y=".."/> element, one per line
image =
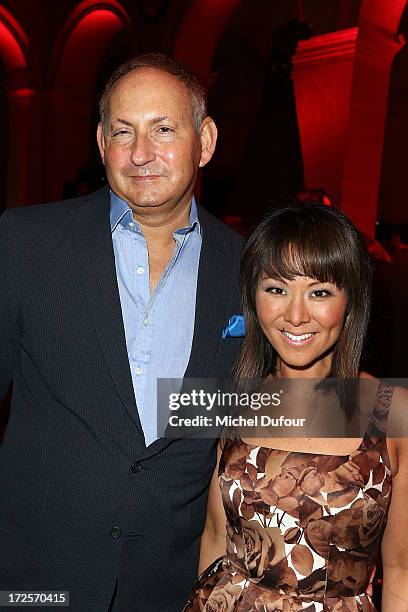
<point x="302" y="319"/>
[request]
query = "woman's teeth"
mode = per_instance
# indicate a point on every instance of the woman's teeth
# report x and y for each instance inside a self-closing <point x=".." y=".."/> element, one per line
<point x="296" y="338"/>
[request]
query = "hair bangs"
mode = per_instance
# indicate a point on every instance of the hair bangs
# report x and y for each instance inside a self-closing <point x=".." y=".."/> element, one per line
<point x="305" y="251"/>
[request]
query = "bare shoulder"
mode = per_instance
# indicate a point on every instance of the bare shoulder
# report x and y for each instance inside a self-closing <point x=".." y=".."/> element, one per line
<point x="397" y="430"/>
<point x="398" y="416"/>
<point x="399" y="395"/>
<point x="400" y="398"/>
<point x="397" y="425"/>
<point x="368" y="376"/>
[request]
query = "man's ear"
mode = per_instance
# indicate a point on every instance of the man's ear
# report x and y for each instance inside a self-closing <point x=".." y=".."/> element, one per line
<point x="208" y="137"/>
<point x="100" y="137"/>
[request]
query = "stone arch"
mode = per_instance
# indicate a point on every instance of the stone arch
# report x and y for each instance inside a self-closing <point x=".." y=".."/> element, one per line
<point x="13" y="50"/>
<point x="16" y="105"/>
<point x="234" y="64"/>
<point x="88" y="33"/>
<point x="199" y="33"/>
<point x="89" y="29"/>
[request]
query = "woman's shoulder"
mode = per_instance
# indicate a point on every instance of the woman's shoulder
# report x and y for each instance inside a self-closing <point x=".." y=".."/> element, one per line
<point x="399" y="408"/>
<point x="387" y="391"/>
<point x="389" y="382"/>
<point x="390" y="401"/>
<point x="392" y="409"/>
<point x="366" y="375"/>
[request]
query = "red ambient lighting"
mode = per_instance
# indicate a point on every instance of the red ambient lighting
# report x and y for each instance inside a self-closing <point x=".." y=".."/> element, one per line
<point x="97" y="25"/>
<point x="10" y="50"/>
<point x="200" y="31"/>
<point x="85" y="48"/>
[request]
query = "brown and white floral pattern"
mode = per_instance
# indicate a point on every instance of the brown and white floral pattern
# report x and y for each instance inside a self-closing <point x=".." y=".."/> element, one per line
<point x="302" y="529"/>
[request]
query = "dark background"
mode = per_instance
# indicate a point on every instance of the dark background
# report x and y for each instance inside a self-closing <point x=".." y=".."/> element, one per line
<point x="56" y="56"/>
<point x="305" y="93"/>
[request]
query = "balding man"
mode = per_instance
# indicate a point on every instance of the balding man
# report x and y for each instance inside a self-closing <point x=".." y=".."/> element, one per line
<point x="99" y="297"/>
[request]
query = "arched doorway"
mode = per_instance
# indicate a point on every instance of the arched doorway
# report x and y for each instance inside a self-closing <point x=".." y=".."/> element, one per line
<point x="392" y="206"/>
<point x="4" y="138"/>
<point x="15" y="98"/>
<point x="245" y="63"/>
<point x="95" y="31"/>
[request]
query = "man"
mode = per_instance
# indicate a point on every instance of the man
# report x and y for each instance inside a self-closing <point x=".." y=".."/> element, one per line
<point x="99" y="297"/>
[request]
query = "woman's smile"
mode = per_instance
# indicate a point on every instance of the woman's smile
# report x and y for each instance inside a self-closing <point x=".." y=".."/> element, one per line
<point x="302" y="318"/>
<point x="296" y="339"/>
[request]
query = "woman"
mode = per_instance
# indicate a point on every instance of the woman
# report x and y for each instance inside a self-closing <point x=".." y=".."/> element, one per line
<point x="303" y="517"/>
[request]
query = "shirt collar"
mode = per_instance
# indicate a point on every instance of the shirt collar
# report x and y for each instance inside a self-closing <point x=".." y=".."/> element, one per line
<point x="119" y="208"/>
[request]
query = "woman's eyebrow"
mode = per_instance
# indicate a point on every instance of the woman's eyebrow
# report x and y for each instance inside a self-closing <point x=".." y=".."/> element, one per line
<point x="321" y="283"/>
<point x="273" y="278"/>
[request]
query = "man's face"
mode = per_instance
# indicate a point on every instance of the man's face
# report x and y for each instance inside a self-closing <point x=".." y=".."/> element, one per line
<point x="149" y="145"/>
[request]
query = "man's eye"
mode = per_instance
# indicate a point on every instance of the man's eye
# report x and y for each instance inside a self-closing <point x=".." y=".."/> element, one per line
<point x="165" y="130"/>
<point x="120" y="132"/>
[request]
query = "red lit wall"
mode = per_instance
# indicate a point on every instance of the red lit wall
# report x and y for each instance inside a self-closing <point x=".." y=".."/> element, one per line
<point x="341" y="85"/>
<point x="199" y="32"/>
<point x="322" y="74"/>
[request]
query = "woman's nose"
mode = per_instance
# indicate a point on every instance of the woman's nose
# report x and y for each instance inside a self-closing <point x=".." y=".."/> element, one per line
<point x="297" y="311"/>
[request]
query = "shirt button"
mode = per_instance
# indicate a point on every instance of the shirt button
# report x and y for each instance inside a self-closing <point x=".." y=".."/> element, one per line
<point x="140" y="270"/>
<point x="146" y="321"/>
<point x="138" y="370"/>
<point x="116" y="533"/>
<point x="131" y="224"/>
<point x="136" y="467"/>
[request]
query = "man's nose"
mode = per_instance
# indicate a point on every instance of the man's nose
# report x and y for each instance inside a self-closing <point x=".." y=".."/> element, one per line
<point x="297" y="311"/>
<point x="142" y="150"/>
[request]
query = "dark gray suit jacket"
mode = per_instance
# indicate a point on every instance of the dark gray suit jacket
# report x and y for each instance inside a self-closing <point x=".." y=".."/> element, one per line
<point x="83" y="502"/>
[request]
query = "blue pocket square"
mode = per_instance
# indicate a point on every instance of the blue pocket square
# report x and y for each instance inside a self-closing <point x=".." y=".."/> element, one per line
<point x="235" y="327"/>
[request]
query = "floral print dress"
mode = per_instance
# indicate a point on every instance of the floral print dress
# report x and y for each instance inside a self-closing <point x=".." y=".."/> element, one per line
<point x="302" y="529"/>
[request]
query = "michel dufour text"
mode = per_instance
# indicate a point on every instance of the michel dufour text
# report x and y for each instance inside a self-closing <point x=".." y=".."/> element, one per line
<point x="201" y="400"/>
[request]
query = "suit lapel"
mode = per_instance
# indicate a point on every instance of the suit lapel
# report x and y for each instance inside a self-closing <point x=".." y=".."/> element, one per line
<point x="96" y="264"/>
<point x="213" y="285"/>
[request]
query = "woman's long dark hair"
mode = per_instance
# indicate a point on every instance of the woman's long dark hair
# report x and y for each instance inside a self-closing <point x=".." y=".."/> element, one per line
<point x="315" y="241"/>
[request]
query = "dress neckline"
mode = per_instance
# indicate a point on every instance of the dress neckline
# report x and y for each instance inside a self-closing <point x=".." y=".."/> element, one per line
<point x="300" y="452"/>
<point x="382" y="387"/>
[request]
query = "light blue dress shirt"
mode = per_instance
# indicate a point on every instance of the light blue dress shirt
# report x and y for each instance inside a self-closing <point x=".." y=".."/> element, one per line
<point x="159" y="326"/>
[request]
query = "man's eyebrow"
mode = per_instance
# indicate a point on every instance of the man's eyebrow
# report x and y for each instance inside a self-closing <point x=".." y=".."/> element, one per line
<point x="160" y="119"/>
<point x="118" y="120"/>
<point x="154" y="120"/>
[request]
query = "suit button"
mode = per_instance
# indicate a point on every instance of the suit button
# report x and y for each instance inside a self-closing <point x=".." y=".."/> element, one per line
<point x="115" y="533"/>
<point x="136" y="467"/>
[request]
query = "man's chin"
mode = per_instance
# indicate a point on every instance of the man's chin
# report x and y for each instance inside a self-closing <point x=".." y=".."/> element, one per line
<point x="141" y="198"/>
<point x="143" y="203"/>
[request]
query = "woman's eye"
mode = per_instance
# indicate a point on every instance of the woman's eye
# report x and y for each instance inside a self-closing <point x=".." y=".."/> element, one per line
<point x="320" y="293"/>
<point x="275" y="290"/>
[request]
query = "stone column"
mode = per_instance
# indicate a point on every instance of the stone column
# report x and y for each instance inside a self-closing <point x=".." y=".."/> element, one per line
<point x="322" y="75"/>
<point x="375" y="52"/>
